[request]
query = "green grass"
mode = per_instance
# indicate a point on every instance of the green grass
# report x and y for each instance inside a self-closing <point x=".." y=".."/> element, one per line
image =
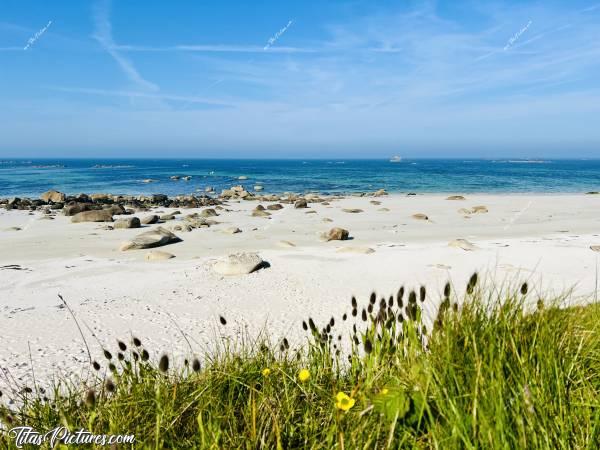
<point x="490" y="374"/>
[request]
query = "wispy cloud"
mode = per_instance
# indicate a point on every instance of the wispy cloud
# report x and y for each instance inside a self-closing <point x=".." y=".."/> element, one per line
<point x="103" y="34"/>
<point x="201" y="48"/>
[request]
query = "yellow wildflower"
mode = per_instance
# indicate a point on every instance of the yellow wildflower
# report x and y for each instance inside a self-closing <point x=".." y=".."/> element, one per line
<point x="303" y="375"/>
<point x="266" y="372"/>
<point x="343" y="402"/>
<point x="384" y="391"/>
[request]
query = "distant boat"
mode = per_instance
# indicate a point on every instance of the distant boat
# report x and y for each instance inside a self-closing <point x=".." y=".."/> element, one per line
<point x="396" y="159"/>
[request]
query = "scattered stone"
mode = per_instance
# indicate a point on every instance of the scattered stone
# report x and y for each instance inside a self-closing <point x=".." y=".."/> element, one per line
<point x="275" y="207"/>
<point x="462" y="243"/>
<point x="312" y="211"/>
<point x="380" y="192"/>
<point x="166" y="217"/>
<point x="420" y="216"/>
<point x="53" y="196"/>
<point x="456" y="197"/>
<point x="260" y="213"/>
<point x="352" y="210"/>
<point x="260" y="207"/>
<point x="13" y="229"/>
<point x="239" y="264"/>
<point x="327" y="220"/>
<point x="592" y="193"/>
<point x="73" y="208"/>
<point x="157" y="255"/>
<point x="479" y="209"/>
<point x="115" y="209"/>
<point x="337" y="234"/>
<point x="595" y="248"/>
<point x="383" y="209"/>
<point x="301" y="203"/>
<point x="232" y="230"/>
<point x="375" y="202"/>
<point x="149" y="239"/>
<point x="129" y="222"/>
<point x="149" y="220"/>
<point x="210" y="212"/>
<point x="101" y="215"/>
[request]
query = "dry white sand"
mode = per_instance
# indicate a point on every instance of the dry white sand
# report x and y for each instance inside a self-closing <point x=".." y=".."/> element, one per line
<point x="542" y="239"/>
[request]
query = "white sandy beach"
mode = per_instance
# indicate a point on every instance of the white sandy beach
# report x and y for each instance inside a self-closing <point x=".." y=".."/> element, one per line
<point x="542" y="239"/>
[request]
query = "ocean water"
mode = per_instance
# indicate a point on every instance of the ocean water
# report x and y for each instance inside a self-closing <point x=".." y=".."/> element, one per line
<point x="32" y="177"/>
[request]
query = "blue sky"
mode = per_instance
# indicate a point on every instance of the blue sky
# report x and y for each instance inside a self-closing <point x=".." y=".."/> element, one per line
<point x="345" y="78"/>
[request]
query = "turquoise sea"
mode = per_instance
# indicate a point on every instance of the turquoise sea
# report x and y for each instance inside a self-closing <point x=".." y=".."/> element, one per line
<point x="72" y="176"/>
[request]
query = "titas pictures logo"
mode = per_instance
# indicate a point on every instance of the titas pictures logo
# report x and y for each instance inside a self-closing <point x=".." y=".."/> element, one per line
<point x="60" y="435"/>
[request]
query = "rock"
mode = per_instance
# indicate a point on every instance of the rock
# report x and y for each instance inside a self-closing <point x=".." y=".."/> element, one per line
<point x="167" y="217"/>
<point x="595" y="248"/>
<point x="312" y="211"/>
<point x="301" y="203"/>
<point x="380" y="192"/>
<point x="383" y="209"/>
<point x="456" y="197"/>
<point x="464" y="211"/>
<point x="129" y="222"/>
<point x="232" y="230"/>
<point x="260" y="207"/>
<point x="53" y="196"/>
<point x="420" y="216"/>
<point x="186" y="178"/>
<point x="149" y="220"/>
<point x="275" y="207"/>
<point x="337" y="234"/>
<point x="360" y="250"/>
<point x="209" y="189"/>
<point x="157" y="255"/>
<point x="99" y="197"/>
<point x="239" y="264"/>
<point x="13" y="229"/>
<point x="174" y="177"/>
<point x="149" y="239"/>
<point x="73" y="208"/>
<point x="592" y="193"/>
<point x="327" y="220"/>
<point x="210" y="212"/>
<point x="115" y="209"/>
<point x="258" y="188"/>
<point x="260" y="213"/>
<point x="159" y="198"/>
<point x="101" y="215"/>
<point x="286" y="244"/>
<point x="462" y="243"/>
<point x="352" y="210"/>
<point x="479" y="209"/>
<point x="375" y="202"/>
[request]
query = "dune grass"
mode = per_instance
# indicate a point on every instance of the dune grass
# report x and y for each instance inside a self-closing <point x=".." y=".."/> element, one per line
<point x="490" y="373"/>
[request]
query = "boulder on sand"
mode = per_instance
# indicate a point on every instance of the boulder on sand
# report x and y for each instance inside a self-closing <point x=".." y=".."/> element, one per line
<point x="129" y="222"/>
<point x="301" y="203"/>
<point x="337" y="234"/>
<point x="420" y="216"/>
<point x="456" y="197"/>
<point x="352" y="210"/>
<point x="149" y="239"/>
<point x="53" y="196"/>
<point x="97" y="215"/>
<point x="239" y="264"/>
<point x="73" y="208"/>
<point x="149" y="220"/>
